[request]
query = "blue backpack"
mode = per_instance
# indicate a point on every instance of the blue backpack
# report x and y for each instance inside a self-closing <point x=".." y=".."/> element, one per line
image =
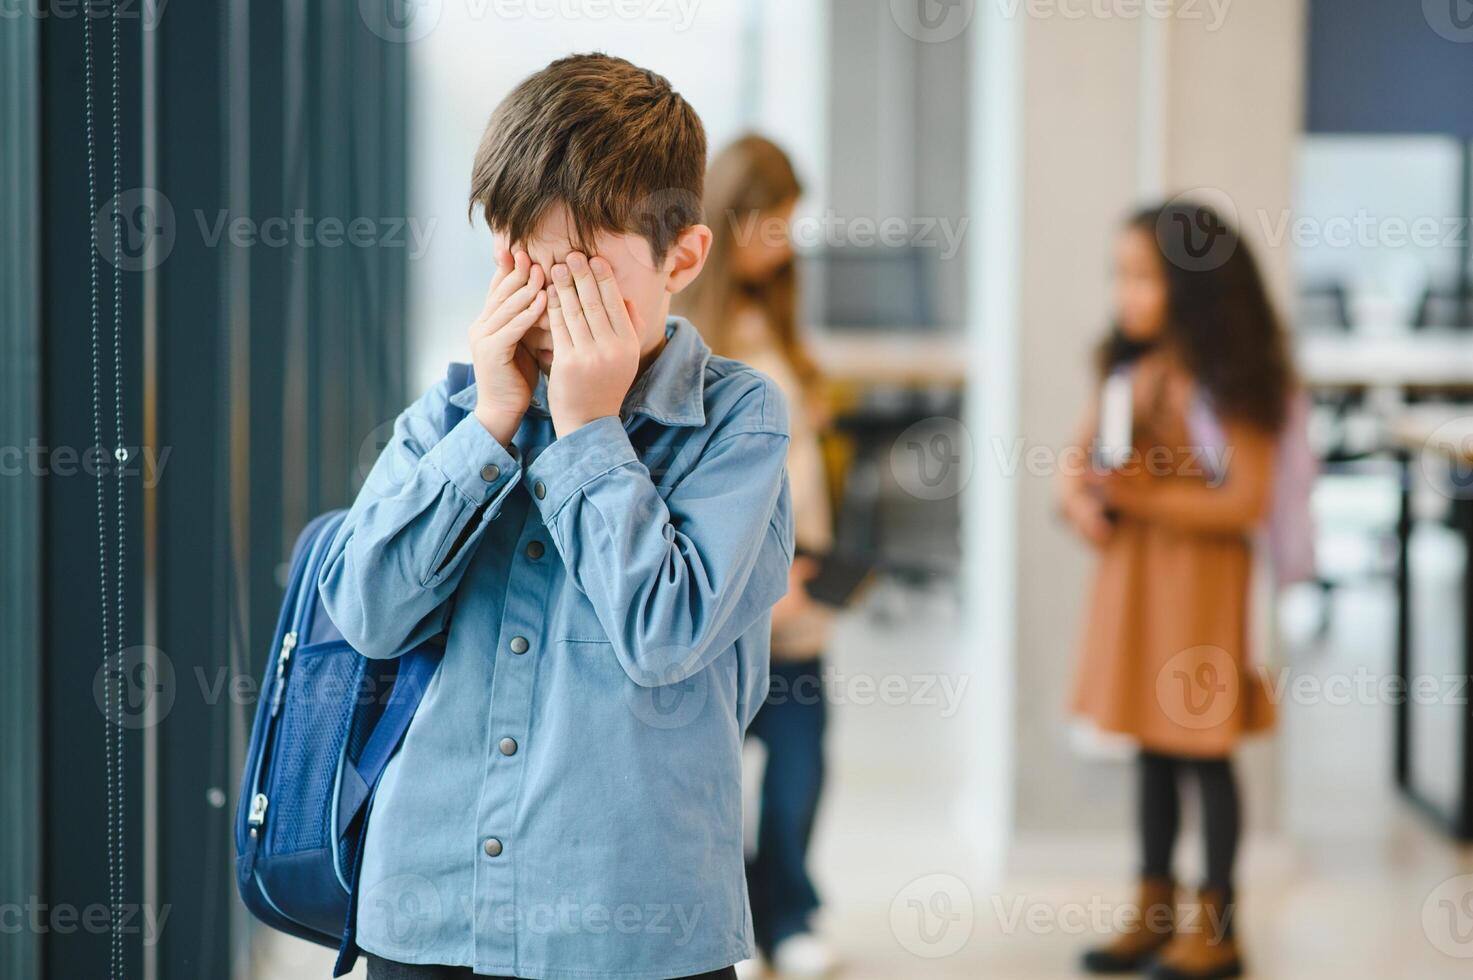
<point x="327" y="722"/>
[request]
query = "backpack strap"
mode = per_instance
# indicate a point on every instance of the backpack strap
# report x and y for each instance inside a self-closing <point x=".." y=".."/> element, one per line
<point x="359" y="779"/>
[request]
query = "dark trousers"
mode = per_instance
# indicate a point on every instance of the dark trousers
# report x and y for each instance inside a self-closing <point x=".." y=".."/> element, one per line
<point x="382" y="969"/>
<point x="1160" y="814"/>
<point x="790" y="724"/>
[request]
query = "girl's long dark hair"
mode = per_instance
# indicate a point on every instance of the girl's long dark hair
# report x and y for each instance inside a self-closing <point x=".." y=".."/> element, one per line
<point x="1219" y="320"/>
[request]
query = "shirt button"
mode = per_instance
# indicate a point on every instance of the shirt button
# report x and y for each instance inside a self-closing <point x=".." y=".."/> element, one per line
<point x="519" y="644"/>
<point x="490" y="472"/>
<point x="534" y="550"/>
<point x="540" y="489"/>
<point x="508" y="746"/>
<point x="492" y="847"/>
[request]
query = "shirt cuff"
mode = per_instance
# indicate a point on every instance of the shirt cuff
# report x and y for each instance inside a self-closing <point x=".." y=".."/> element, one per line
<point x="577" y="459"/>
<point x="472" y="460"/>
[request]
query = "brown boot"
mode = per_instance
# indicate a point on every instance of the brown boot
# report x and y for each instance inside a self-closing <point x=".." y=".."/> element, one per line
<point x="1204" y="947"/>
<point x="1146" y="929"/>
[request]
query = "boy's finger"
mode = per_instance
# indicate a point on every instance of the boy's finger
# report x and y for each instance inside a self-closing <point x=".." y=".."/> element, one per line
<point x="567" y="296"/>
<point x="517" y="301"/>
<point x="589" y="296"/>
<point x="515" y="328"/>
<point x="613" y="300"/>
<point x="503" y="265"/>
<point x="559" y="329"/>
<point x="514" y="279"/>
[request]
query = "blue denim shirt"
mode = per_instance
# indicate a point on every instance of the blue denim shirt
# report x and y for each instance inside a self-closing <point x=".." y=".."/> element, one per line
<point x="567" y="801"/>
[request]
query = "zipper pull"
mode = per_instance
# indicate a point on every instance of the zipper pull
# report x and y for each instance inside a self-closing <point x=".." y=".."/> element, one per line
<point x="288" y="644"/>
<point x="258" y="812"/>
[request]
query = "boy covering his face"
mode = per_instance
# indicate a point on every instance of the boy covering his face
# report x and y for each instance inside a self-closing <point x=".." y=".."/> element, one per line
<point x="602" y="537"/>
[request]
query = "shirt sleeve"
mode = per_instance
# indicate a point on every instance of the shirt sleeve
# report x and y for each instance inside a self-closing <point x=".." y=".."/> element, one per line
<point x="674" y="580"/>
<point x="403" y="547"/>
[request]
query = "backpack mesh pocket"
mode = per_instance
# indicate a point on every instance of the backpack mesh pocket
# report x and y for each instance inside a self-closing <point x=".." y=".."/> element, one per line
<point x="321" y="693"/>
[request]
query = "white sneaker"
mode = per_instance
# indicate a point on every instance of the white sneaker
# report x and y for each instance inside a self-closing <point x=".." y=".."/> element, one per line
<point x="803" y="957"/>
<point x="750" y="969"/>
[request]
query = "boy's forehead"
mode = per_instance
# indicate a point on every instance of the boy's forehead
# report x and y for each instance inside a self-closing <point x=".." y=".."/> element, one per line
<point x="553" y="238"/>
<point x="556" y="235"/>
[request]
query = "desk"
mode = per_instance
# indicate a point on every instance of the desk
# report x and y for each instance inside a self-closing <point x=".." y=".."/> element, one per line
<point x="1435" y="444"/>
<point x="899" y="357"/>
<point x="1409" y="359"/>
<point x="878" y="384"/>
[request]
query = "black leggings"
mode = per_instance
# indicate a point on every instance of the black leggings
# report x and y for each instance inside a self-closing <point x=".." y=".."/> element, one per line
<point x="382" y="969"/>
<point x="1160" y="814"/>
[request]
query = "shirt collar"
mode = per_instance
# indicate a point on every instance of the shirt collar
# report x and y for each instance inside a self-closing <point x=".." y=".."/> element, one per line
<point x="672" y="390"/>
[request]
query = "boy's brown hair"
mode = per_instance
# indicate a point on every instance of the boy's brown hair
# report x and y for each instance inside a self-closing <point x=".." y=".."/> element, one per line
<point x="612" y="142"/>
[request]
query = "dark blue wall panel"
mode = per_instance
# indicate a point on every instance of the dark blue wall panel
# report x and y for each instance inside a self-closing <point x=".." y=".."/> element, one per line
<point x="1391" y="66"/>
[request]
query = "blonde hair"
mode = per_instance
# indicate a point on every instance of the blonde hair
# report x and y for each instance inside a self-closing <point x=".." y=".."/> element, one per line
<point x="747" y="179"/>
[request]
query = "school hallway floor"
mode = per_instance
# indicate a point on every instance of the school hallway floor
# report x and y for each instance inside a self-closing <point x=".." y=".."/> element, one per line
<point x="1356" y="886"/>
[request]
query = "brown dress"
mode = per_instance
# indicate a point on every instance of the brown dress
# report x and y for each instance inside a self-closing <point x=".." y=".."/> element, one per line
<point x="1164" y="656"/>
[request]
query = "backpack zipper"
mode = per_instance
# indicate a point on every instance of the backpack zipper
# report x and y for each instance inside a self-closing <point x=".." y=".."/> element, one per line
<point x="258" y="812"/>
<point x="278" y="689"/>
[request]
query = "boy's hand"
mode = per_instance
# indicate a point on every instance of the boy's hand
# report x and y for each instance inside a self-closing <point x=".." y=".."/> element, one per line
<point x="505" y="372"/>
<point x="595" y="347"/>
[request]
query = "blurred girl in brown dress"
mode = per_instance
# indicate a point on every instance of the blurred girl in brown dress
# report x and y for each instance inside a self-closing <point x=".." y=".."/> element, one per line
<point x="1164" y="657"/>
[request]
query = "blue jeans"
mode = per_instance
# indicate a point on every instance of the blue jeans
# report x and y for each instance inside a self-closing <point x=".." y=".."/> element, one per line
<point x="790" y="724"/>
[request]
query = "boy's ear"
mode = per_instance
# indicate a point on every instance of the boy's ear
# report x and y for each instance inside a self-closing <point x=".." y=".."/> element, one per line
<point x="687" y="257"/>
